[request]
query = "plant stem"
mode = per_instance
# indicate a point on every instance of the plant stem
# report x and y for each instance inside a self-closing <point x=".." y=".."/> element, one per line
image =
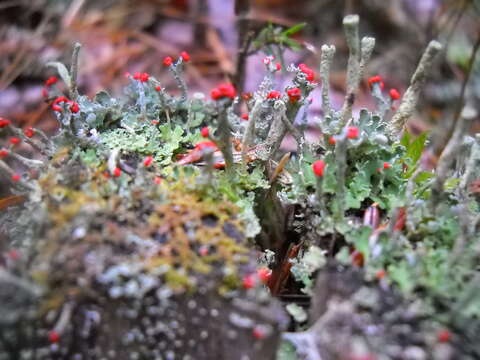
<point x="410" y="98"/>
<point x="74" y="72"/>
<point x="242" y="9"/>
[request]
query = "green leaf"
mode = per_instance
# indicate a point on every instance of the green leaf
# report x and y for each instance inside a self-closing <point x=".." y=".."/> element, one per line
<point x="406" y="139"/>
<point x="400" y="273"/>
<point x="292" y="44"/>
<point x="103" y="98"/>
<point x="297" y="312"/>
<point x="415" y="148"/>
<point x="294" y="29"/>
<point x="62" y="71"/>
<point x="424" y="176"/>
<point x="451" y="183"/>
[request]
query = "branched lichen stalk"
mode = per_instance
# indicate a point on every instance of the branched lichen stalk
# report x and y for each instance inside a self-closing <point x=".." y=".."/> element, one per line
<point x="350" y="25"/>
<point x="74" y="72"/>
<point x="31" y="163"/>
<point x="340" y="170"/>
<point x="328" y="52"/>
<point x="463" y="237"/>
<point x="409" y="196"/>
<point x="44" y="150"/>
<point x="10" y="172"/>
<point x="278" y="131"/>
<point x="175" y="69"/>
<point x="249" y="135"/>
<point x="367" y="46"/>
<point x="410" y="98"/>
<point x="446" y="161"/>
<point x="471" y="165"/>
<point x="297" y="134"/>
<point x="223" y="141"/>
<point x="319" y="197"/>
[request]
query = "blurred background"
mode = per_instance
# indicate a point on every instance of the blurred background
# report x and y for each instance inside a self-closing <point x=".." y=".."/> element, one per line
<point x="121" y="36"/>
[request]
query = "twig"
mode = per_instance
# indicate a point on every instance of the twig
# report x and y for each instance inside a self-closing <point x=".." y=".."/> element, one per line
<point x="242" y="9"/>
<point x="461" y="100"/>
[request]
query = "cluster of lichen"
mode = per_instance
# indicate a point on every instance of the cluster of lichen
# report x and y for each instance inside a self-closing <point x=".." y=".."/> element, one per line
<point x="134" y="216"/>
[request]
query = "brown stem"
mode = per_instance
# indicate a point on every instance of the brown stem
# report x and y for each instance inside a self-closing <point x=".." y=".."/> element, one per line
<point x="461" y="100"/>
<point x="242" y="9"/>
<point x="200" y="12"/>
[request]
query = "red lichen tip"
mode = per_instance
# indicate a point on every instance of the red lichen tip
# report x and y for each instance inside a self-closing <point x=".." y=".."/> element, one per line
<point x="144" y="77"/>
<point x="157" y="180"/>
<point x="249" y="281"/>
<point x="224" y="90"/>
<point x="167" y="61"/>
<point x="74" y="108"/>
<point x="203" y="251"/>
<point x="3" y="153"/>
<point x="51" y="80"/>
<point x="53" y="337"/>
<point x="244" y="116"/>
<point x="380" y="274"/>
<point x="307" y="71"/>
<point x="13" y="254"/>
<point x="14" y="140"/>
<point x="444" y="336"/>
<point x="185" y="56"/>
<point x="274" y="94"/>
<point x="117" y="172"/>
<point x="137" y="75"/>
<point x="294" y="94"/>
<point x="204" y="132"/>
<point x="29" y="132"/>
<point x="278" y="66"/>
<point x="258" y="333"/>
<point x="394" y="94"/>
<point x="148" y="161"/>
<point x="4" y="123"/>
<point x="357" y="258"/>
<point x="332" y="140"/>
<point x="227" y="90"/>
<point x="158" y="88"/>
<point x="16" y="177"/>
<point x="264" y="274"/>
<point x="374" y="79"/>
<point x="205" y="144"/>
<point x="318" y="167"/>
<point x="352" y="132"/>
<point x="215" y="94"/>
<point x="386" y="165"/>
